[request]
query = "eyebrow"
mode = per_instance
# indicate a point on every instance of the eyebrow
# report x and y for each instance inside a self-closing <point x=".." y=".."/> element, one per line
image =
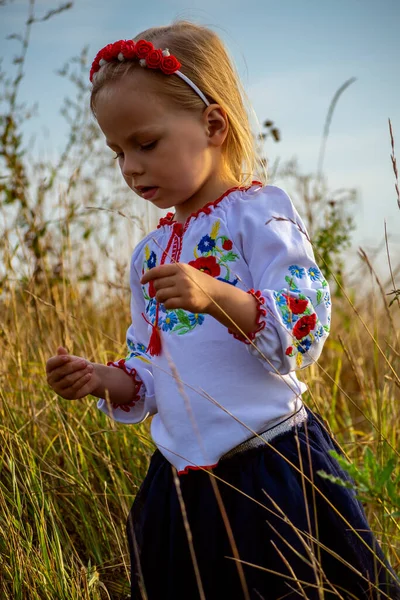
<point x="134" y="135"/>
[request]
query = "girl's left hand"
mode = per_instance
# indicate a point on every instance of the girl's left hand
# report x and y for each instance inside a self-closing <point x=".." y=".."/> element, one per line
<point x="182" y="286"/>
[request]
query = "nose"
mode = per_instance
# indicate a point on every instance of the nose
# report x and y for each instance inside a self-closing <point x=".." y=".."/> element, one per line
<point x="131" y="165"/>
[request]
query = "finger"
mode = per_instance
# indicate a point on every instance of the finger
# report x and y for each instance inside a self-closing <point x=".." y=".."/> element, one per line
<point x="164" y="282"/>
<point x="78" y="390"/>
<point x="72" y="381"/>
<point x="56" y="361"/>
<point x="166" y="294"/>
<point x="66" y="369"/>
<point x="173" y="303"/>
<point x="85" y="387"/>
<point x="156" y="272"/>
<point x="61" y="350"/>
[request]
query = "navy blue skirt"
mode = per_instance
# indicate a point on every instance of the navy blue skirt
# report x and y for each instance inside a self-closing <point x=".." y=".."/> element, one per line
<point x="255" y="527"/>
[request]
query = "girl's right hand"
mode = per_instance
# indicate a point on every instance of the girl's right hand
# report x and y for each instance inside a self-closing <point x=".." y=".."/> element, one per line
<point x="71" y="377"/>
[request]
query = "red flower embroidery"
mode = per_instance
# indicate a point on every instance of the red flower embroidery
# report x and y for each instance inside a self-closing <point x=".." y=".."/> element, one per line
<point x="289" y="351"/>
<point x="207" y="264"/>
<point x="227" y="245"/>
<point x="143" y="48"/>
<point x="154" y="59"/>
<point x="170" y="64"/>
<point x="296" y="305"/>
<point x="304" y="326"/>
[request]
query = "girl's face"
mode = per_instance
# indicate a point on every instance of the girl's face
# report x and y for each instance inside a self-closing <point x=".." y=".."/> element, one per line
<point x="166" y="155"/>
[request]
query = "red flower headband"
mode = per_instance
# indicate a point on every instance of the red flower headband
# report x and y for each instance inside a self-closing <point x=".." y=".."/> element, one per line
<point x="147" y="55"/>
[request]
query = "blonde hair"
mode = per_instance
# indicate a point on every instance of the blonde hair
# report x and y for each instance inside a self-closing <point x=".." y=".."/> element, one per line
<point x="206" y="62"/>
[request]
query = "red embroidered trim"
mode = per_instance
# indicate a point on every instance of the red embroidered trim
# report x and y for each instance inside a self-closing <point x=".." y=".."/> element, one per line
<point x="169" y="217"/>
<point x="190" y="468"/>
<point x="261" y="312"/>
<point x="175" y="242"/>
<point x="138" y="384"/>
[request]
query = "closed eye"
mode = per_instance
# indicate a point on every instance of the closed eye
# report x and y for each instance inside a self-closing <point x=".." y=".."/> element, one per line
<point x="149" y="146"/>
<point x="118" y="155"/>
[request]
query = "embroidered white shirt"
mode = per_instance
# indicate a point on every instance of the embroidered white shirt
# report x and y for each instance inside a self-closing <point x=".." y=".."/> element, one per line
<point x="208" y="390"/>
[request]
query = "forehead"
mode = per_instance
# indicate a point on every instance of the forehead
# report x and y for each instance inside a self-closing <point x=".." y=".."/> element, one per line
<point x="133" y="101"/>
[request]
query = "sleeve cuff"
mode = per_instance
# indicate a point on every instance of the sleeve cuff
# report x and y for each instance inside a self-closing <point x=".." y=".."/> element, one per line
<point x="260" y="323"/>
<point x="121" y="364"/>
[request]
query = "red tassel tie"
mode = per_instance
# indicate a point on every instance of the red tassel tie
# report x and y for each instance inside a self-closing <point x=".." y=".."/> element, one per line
<point x="154" y="347"/>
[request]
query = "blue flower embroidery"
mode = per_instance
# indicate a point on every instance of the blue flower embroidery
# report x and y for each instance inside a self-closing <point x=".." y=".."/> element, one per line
<point x="327" y="299"/>
<point x="304" y="345"/>
<point x="234" y="282"/>
<point x="280" y="299"/>
<point x="287" y="318"/>
<point x="151" y="307"/>
<point x="169" y="322"/>
<point x="319" y="332"/>
<point x="196" y="318"/>
<point x="314" y="273"/>
<point x="135" y="350"/>
<point x="296" y="271"/>
<point x="206" y="244"/>
<point x="152" y="261"/>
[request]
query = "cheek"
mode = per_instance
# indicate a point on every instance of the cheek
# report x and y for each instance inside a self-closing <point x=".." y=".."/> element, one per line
<point x="128" y="180"/>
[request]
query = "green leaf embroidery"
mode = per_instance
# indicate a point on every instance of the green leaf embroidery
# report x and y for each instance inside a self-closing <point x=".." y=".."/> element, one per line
<point x="319" y="296"/>
<point x="182" y="329"/>
<point x="229" y="257"/>
<point x="291" y="283"/>
<point x="182" y="317"/>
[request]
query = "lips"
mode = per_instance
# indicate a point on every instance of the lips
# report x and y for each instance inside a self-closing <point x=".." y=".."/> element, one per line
<point x="147" y="192"/>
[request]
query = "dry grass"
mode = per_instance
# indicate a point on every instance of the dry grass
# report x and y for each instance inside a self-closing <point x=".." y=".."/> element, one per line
<point x="69" y="475"/>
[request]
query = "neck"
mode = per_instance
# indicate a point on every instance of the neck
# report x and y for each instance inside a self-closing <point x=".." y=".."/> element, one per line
<point x="210" y="191"/>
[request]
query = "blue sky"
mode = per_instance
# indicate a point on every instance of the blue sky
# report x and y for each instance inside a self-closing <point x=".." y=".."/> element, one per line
<point x="292" y="56"/>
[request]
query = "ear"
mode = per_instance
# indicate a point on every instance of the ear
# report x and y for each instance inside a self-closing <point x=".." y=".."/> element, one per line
<point x="216" y="123"/>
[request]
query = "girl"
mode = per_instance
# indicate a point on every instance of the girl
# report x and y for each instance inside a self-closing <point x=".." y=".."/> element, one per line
<point x="227" y="303"/>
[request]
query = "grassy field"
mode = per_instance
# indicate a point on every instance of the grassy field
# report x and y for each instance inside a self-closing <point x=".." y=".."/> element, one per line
<point x="69" y="475"/>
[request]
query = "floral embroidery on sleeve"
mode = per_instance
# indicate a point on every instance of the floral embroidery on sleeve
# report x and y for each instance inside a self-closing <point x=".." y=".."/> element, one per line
<point x="137" y="351"/>
<point x="298" y="313"/>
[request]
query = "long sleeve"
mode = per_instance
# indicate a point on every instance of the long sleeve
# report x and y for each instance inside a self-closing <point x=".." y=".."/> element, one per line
<point x="293" y="295"/>
<point x="137" y="363"/>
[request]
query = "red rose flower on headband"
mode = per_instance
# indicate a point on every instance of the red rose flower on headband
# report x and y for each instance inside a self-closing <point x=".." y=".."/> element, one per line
<point x="117" y="47"/>
<point x="128" y="49"/>
<point x="143" y="48"/>
<point x="108" y="52"/>
<point x="170" y="64"/>
<point x="154" y="59"/>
